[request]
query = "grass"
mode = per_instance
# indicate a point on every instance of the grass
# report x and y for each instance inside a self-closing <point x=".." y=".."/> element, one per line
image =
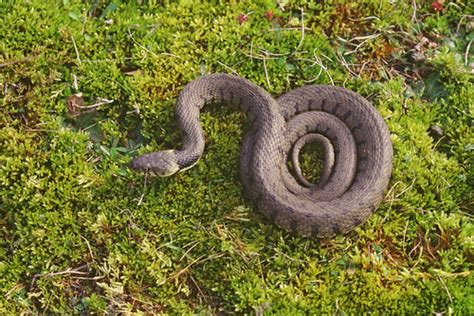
<point x="85" y="86"/>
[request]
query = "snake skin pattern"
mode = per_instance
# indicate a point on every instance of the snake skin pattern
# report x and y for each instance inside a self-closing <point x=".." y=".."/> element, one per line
<point x="356" y="142"/>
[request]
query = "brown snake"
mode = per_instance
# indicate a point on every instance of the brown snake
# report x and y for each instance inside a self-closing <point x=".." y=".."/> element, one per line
<point x="356" y="142"/>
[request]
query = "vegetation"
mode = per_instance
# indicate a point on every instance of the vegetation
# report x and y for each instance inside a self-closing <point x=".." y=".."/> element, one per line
<point x="85" y="86"/>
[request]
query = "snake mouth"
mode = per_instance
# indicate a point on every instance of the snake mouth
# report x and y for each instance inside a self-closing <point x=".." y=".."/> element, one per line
<point x="148" y="172"/>
<point x="137" y="165"/>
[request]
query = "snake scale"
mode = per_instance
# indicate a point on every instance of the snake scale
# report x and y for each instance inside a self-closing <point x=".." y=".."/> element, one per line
<point x="355" y="139"/>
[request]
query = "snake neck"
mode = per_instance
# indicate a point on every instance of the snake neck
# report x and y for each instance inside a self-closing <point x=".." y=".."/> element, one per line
<point x="232" y="90"/>
<point x="186" y="159"/>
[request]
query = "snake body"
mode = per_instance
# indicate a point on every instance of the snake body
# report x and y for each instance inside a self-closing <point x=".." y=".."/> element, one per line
<point x="357" y="160"/>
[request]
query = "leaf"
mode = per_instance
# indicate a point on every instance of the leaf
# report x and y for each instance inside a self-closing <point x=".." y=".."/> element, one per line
<point x="74" y="15"/>
<point x="95" y="133"/>
<point x="109" y="9"/>
<point x="121" y="149"/>
<point x="104" y="150"/>
<point x="470" y="36"/>
<point x="86" y="120"/>
<point x="290" y="68"/>
<point x="434" y="88"/>
<point x="74" y="102"/>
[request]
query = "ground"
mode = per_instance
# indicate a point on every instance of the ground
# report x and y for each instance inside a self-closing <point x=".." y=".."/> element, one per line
<point x="86" y="86"/>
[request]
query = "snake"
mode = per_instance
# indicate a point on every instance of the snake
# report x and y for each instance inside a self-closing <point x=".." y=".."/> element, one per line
<point x="355" y="140"/>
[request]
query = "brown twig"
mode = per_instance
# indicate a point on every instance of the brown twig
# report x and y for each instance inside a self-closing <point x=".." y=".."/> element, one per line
<point x="13" y="62"/>
<point x="65" y="272"/>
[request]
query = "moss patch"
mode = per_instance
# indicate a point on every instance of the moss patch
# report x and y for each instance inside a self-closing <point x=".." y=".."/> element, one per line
<point x="84" y="87"/>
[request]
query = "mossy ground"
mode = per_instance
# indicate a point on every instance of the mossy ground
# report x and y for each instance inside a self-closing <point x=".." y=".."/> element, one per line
<point x="80" y="233"/>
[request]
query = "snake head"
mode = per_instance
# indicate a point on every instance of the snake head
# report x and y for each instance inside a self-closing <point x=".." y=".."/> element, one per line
<point x="161" y="163"/>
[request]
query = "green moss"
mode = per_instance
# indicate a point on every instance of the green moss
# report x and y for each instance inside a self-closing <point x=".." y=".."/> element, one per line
<point x="80" y="233"/>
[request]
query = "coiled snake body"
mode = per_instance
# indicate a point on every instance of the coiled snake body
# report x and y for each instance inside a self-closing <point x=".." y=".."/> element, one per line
<point x="355" y="139"/>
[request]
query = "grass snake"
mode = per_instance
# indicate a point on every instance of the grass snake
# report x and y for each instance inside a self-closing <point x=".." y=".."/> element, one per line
<point x="355" y="139"/>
